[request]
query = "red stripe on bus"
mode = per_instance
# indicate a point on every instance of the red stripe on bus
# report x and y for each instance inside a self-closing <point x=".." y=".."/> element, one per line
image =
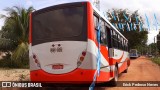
<point x="114" y="61"/>
<point x="90" y="23"/>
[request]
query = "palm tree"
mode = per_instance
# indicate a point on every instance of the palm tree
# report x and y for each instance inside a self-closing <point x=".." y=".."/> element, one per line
<point x="15" y="32"/>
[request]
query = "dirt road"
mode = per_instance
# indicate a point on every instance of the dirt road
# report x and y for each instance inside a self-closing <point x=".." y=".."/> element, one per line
<point x="14" y="74"/>
<point x="141" y="69"/>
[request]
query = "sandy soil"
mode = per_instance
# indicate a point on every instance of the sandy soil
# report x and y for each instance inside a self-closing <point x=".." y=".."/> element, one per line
<point x="14" y="74"/>
<point x="141" y="69"/>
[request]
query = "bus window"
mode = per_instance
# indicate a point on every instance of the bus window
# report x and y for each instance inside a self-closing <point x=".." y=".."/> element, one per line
<point x="96" y="20"/>
<point x="118" y="41"/>
<point x="103" y="33"/>
<point x="123" y="44"/>
<point x="63" y="26"/>
<point x="109" y="33"/>
<point x="112" y="37"/>
<point x="127" y="46"/>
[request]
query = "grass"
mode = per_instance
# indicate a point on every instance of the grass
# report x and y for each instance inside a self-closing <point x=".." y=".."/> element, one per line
<point x="6" y="62"/>
<point x="156" y="60"/>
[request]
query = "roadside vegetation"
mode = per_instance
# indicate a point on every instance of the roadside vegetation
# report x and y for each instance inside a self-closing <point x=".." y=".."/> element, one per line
<point x="14" y="38"/>
<point x="156" y="60"/>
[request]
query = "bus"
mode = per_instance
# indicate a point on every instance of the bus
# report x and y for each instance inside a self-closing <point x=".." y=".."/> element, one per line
<point x="63" y="45"/>
<point x="134" y="53"/>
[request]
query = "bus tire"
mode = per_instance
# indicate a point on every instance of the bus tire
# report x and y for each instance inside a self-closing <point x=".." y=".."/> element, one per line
<point x="113" y="82"/>
<point x="125" y="71"/>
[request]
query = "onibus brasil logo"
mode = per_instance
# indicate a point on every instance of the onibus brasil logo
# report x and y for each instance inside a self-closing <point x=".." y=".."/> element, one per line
<point x="20" y="84"/>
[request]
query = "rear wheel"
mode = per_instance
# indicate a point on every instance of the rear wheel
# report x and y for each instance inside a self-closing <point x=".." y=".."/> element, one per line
<point x="125" y="71"/>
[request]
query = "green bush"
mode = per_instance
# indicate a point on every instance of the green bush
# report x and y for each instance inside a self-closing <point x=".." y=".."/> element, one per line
<point x="156" y="60"/>
<point x="6" y="62"/>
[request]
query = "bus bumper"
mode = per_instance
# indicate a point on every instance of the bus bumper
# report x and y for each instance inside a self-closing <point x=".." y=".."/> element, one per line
<point x="76" y="76"/>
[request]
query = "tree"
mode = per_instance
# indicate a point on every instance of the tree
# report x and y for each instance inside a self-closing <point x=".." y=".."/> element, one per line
<point x="14" y="33"/>
<point x="158" y="42"/>
<point x="132" y="24"/>
<point x="153" y="48"/>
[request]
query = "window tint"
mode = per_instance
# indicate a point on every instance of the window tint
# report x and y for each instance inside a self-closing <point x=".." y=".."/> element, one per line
<point x="96" y="20"/>
<point x="118" y="41"/>
<point x="59" y="24"/>
<point x="103" y="33"/>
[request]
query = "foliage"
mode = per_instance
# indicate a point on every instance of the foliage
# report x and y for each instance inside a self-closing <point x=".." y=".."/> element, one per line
<point x="14" y="33"/>
<point x="158" y="42"/>
<point x="156" y="60"/>
<point x="135" y="37"/>
<point x="152" y="48"/>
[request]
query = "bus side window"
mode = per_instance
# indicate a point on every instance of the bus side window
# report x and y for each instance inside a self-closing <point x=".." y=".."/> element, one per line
<point x="103" y="34"/>
<point x="96" y="22"/>
<point x="109" y="33"/>
<point x="113" y="38"/>
<point x="118" y="41"/>
<point x="123" y="44"/>
<point x="127" y="46"/>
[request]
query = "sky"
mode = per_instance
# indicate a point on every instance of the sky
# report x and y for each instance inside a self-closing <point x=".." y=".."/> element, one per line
<point x="148" y="7"/>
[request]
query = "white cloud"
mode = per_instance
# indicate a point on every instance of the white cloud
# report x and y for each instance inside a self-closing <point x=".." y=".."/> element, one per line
<point x="47" y="3"/>
<point x="151" y="36"/>
<point x="28" y="3"/>
<point x="2" y="19"/>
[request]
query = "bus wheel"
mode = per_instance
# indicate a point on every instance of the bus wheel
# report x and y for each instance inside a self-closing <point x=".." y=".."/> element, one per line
<point x="113" y="82"/>
<point x="125" y="71"/>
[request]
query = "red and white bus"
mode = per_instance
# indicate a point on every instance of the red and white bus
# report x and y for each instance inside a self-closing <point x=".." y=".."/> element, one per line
<point x="64" y="46"/>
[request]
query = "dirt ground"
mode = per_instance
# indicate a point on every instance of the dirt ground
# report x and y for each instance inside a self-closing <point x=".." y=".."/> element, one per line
<point x="14" y="74"/>
<point x="141" y="69"/>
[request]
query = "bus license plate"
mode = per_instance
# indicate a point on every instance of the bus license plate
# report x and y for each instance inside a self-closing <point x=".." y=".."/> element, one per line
<point x="57" y="67"/>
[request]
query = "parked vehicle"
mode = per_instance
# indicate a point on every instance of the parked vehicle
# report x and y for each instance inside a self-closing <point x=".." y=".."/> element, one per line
<point x="65" y="44"/>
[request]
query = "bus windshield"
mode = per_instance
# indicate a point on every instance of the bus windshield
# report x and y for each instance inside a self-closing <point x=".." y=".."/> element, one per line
<point x="59" y="24"/>
<point x="133" y="51"/>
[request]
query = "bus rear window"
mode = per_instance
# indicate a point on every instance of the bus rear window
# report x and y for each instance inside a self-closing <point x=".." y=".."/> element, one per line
<point x="67" y="23"/>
